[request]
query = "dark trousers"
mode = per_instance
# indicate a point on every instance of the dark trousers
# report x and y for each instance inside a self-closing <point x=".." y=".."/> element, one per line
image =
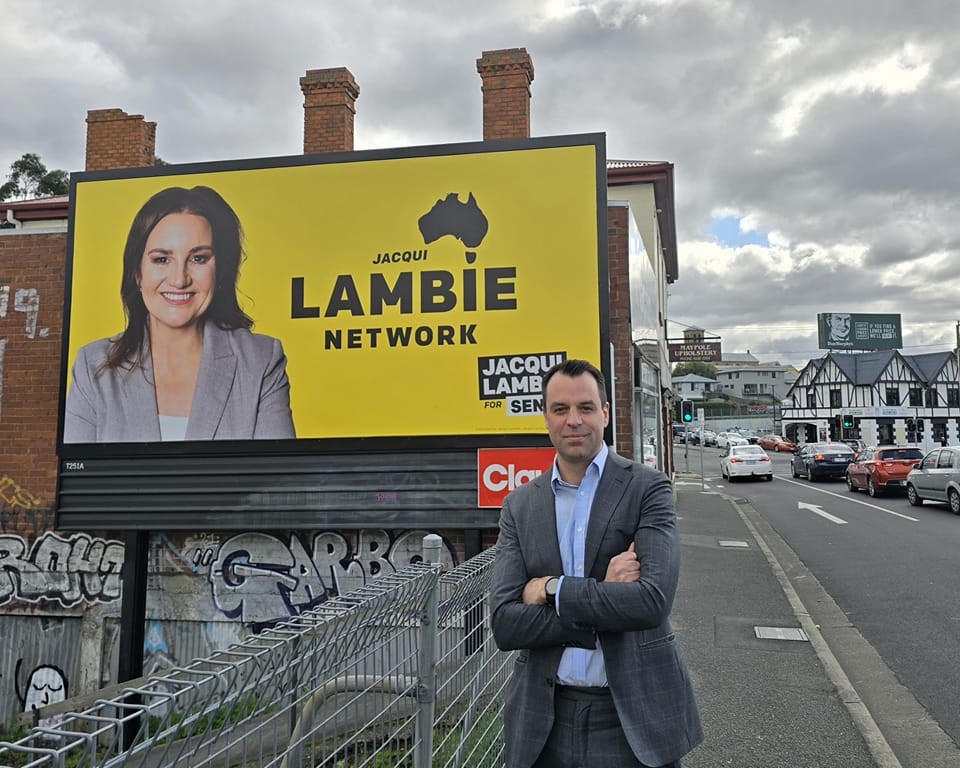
<point x="586" y="733"/>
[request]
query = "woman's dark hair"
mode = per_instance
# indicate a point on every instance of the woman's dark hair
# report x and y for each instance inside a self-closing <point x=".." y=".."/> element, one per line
<point x="224" y="309"/>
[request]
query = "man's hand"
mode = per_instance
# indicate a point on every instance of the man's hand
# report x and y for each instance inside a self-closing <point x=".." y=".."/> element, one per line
<point x="623" y="568"/>
<point x="535" y="593"/>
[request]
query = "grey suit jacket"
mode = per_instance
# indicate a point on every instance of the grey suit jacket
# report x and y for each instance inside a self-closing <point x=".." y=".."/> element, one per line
<point x="645" y="669"/>
<point x="242" y="392"/>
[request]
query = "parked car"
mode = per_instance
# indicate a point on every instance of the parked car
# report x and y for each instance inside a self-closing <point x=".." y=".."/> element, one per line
<point x="857" y="445"/>
<point x="937" y="478"/>
<point x="817" y="460"/>
<point x="726" y="439"/>
<point x="776" y="443"/>
<point x="882" y="468"/>
<point x="745" y="461"/>
<point x="709" y="437"/>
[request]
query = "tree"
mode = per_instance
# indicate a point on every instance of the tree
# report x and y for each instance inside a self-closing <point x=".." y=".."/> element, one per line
<point x="697" y="367"/>
<point x="29" y="178"/>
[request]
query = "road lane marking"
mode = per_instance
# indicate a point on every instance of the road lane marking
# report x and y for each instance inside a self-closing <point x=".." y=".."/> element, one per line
<point x="876" y="742"/>
<point x="819" y="511"/>
<point x="848" y="497"/>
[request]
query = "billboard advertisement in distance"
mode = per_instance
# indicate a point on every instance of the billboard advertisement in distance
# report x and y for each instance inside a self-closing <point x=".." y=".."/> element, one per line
<point x="385" y="294"/>
<point x="852" y="331"/>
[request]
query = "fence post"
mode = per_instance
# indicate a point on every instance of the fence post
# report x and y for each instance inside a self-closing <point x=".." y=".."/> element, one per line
<point x="427" y="661"/>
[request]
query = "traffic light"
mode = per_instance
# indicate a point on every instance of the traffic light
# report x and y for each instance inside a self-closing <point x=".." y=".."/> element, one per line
<point x="686" y="411"/>
<point x="919" y="426"/>
<point x="847" y="421"/>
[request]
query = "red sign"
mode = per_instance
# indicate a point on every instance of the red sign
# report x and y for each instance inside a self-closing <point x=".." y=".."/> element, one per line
<point x="500" y="470"/>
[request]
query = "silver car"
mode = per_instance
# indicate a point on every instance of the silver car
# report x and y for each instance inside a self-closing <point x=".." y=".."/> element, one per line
<point x="936" y="478"/>
<point x="726" y="439"/>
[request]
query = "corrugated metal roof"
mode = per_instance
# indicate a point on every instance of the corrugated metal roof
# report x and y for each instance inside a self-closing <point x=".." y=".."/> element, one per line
<point x="633" y="163"/>
<point x="39" y="209"/>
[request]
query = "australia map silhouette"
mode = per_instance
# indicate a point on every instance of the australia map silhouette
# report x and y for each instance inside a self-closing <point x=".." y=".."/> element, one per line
<point x="464" y="221"/>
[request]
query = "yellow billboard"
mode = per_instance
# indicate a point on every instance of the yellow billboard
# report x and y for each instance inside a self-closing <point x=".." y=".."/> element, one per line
<point x="410" y="293"/>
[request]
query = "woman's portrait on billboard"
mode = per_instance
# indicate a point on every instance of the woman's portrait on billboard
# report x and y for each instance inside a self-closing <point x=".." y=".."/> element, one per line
<point x="186" y="366"/>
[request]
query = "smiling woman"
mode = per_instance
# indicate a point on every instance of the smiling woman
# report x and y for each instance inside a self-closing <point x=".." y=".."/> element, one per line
<point x="186" y="367"/>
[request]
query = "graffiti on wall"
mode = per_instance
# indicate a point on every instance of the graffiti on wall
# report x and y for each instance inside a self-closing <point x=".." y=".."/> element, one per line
<point x="71" y="570"/>
<point x="20" y="511"/>
<point x="247" y="573"/>
<point x="47" y="685"/>
<point x="25" y="300"/>
<point x="16" y="496"/>
<point x="260" y="578"/>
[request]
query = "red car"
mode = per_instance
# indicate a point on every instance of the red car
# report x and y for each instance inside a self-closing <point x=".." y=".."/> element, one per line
<point x="879" y="468"/>
<point x="777" y="444"/>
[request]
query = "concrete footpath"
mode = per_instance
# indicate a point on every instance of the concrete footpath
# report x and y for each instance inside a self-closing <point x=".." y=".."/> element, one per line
<point x="810" y="692"/>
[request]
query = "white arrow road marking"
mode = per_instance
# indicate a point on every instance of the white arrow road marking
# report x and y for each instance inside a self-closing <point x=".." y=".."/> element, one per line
<point x="850" y="498"/>
<point x="819" y="510"/>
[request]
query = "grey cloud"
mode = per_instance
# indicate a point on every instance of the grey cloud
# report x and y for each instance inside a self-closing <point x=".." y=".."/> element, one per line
<point x="694" y="83"/>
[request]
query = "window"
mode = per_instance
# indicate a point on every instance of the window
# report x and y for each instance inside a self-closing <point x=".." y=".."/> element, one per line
<point x="916" y="396"/>
<point x="931" y="397"/>
<point x="835" y="400"/>
<point x="893" y="396"/>
<point x="811" y="400"/>
<point x="953" y="397"/>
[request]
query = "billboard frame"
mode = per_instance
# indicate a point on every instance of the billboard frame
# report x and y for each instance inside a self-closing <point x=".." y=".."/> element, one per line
<point x="95" y="470"/>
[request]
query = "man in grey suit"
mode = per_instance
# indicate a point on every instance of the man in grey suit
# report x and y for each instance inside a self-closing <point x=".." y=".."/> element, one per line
<point x="587" y="565"/>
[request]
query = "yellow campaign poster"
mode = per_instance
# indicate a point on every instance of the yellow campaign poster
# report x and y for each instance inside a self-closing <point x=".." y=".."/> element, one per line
<point x="419" y="295"/>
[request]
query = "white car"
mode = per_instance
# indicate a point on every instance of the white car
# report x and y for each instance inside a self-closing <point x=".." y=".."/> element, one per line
<point x="745" y="461"/>
<point x="726" y="439"/>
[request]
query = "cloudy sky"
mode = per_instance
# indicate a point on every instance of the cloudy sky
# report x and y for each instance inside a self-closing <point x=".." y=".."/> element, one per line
<point x="815" y="143"/>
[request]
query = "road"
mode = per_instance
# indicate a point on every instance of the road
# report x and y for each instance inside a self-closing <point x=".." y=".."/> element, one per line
<point x="893" y="569"/>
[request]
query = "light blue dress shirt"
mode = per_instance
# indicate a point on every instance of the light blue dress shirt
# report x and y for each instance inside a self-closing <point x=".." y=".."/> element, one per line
<point x="578" y="666"/>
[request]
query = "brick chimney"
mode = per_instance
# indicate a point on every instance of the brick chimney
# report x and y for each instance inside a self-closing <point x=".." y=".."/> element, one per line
<point x="118" y="140"/>
<point x="506" y="76"/>
<point x="329" y="105"/>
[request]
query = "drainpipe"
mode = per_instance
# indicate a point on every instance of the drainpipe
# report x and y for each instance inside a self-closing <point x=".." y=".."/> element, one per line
<point x="17" y="224"/>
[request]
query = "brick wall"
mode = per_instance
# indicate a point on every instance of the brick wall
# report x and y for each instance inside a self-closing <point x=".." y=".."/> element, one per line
<point x="506" y="76"/>
<point x="31" y="287"/>
<point x="118" y="140"/>
<point x="620" y="335"/>
<point x="329" y="106"/>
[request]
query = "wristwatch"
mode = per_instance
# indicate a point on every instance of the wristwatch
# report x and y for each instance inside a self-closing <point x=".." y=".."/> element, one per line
<point x="550" y="590"/>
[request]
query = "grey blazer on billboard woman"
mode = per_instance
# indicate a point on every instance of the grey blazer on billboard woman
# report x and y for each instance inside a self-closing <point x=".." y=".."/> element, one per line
<point x="242" y="393"/>
<point x="646" y="672"/>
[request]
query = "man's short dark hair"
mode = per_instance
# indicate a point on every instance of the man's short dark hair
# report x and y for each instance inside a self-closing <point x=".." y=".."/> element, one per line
<point x="574" y="368"/>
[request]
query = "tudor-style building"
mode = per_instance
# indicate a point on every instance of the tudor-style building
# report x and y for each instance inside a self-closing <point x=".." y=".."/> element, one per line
<point x="887" y="397"/>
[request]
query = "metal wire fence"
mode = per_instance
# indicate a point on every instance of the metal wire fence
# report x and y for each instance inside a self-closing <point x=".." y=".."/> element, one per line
<point x="402" y="672"/>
